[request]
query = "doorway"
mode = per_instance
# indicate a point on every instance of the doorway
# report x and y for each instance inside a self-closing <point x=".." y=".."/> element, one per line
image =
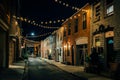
<point x="3" y="49"/>
<point x="110" y="51"/>
<point x="72" y="54"/>
<point x="81" y="51"/>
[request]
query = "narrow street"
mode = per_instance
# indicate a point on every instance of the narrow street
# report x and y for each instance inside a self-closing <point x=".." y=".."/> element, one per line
<point x="41" y="70"/>
<point x="59" y="40"/>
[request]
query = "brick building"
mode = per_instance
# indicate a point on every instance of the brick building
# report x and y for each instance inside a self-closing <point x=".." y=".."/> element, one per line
<point x="76" y="39"/>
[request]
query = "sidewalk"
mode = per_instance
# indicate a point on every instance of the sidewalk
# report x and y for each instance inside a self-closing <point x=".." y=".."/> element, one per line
<point x="77" y="71"/>
<point x="14" y="72"/>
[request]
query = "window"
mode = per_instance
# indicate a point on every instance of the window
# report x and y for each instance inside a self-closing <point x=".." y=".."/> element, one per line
<point x="109" y="7"/>
<point x="110" y="10"/>
<point x="64" y="31"/>
<point x="97" y="41"/>
<point x="69" y="28"/>
<point x="84" y="20"/>
<point x="76" y="25"/>
<point x="69" y="31"/>
<point x="97" y="12"/>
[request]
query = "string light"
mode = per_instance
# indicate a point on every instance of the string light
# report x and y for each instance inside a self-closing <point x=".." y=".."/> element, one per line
<point x="58" y="21"/>
<point x="75" y="17"/>
<point x="25" y="19"/>
<point x="18" y="18"/>
<point x="46" y="22"/>
<point x="67" y="5"/>
<point x="41" y="22"/>
<point x="62" y="19"/>
<point x="52" y="22"/>
<point x="34" y="23"/>
<point x="39" y="35"/>
<point x="70" y="17"/>
<point x="21" y="19"/>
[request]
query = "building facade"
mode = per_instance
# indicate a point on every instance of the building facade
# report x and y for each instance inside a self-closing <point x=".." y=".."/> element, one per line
<point x="14" y="32"/>
<point x="47" y="47"/>
<point x="95" y="25"/>
<point x="4" y="28"/>
<point x="53" y="49"/>
<point x="59" y="46"/>
<point x="37" y="49"/>
<point x="76" y="39"/>
<point x="14" y="41"/>
<point x="42" y="49"/>
<point x="105" y="29"/>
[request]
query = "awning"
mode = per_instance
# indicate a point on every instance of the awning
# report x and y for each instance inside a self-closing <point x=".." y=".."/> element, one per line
<point x="82" y="40"/>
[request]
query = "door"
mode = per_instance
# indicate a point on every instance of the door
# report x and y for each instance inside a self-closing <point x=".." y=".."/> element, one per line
<point x="109" y="46"/>
<point x="81" y="51"/>
<point x="72" y="54"/>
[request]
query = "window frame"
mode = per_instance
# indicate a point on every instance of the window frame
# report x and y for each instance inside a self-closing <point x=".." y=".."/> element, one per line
<point x="84" y="21"/>
<point x="97" y="13"/>
<point x="69" y="28"/>
<point x="108" y="9"/>
<point x="109" y="5"/>
<point x="76" y="25"/>
<point x="64" y="31"/>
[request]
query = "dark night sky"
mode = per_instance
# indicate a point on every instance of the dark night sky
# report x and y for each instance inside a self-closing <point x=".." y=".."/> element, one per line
<point x="46" y="10"/>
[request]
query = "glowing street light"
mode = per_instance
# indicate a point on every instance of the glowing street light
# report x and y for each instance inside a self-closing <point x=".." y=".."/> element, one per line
<point x="32" y="34"/>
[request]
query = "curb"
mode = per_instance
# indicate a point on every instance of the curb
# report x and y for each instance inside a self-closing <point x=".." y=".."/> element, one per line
<point x="25" y="73"/>
<point x="81" y="77"/>
<point x="97" y="77"/>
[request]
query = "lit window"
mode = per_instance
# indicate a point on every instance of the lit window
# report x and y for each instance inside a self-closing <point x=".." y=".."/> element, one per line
<point x="97" y="41"/>
<point x="110" y="10"/>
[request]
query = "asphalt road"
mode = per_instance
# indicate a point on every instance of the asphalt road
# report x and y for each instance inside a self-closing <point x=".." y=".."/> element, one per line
<point x="41" y="70"/>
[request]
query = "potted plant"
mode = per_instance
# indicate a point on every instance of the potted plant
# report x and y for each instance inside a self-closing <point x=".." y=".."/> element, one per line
<point x="87" y="63"/>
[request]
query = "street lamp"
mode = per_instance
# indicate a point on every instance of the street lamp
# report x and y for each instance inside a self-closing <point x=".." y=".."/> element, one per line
<point x="32" y="34"/>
